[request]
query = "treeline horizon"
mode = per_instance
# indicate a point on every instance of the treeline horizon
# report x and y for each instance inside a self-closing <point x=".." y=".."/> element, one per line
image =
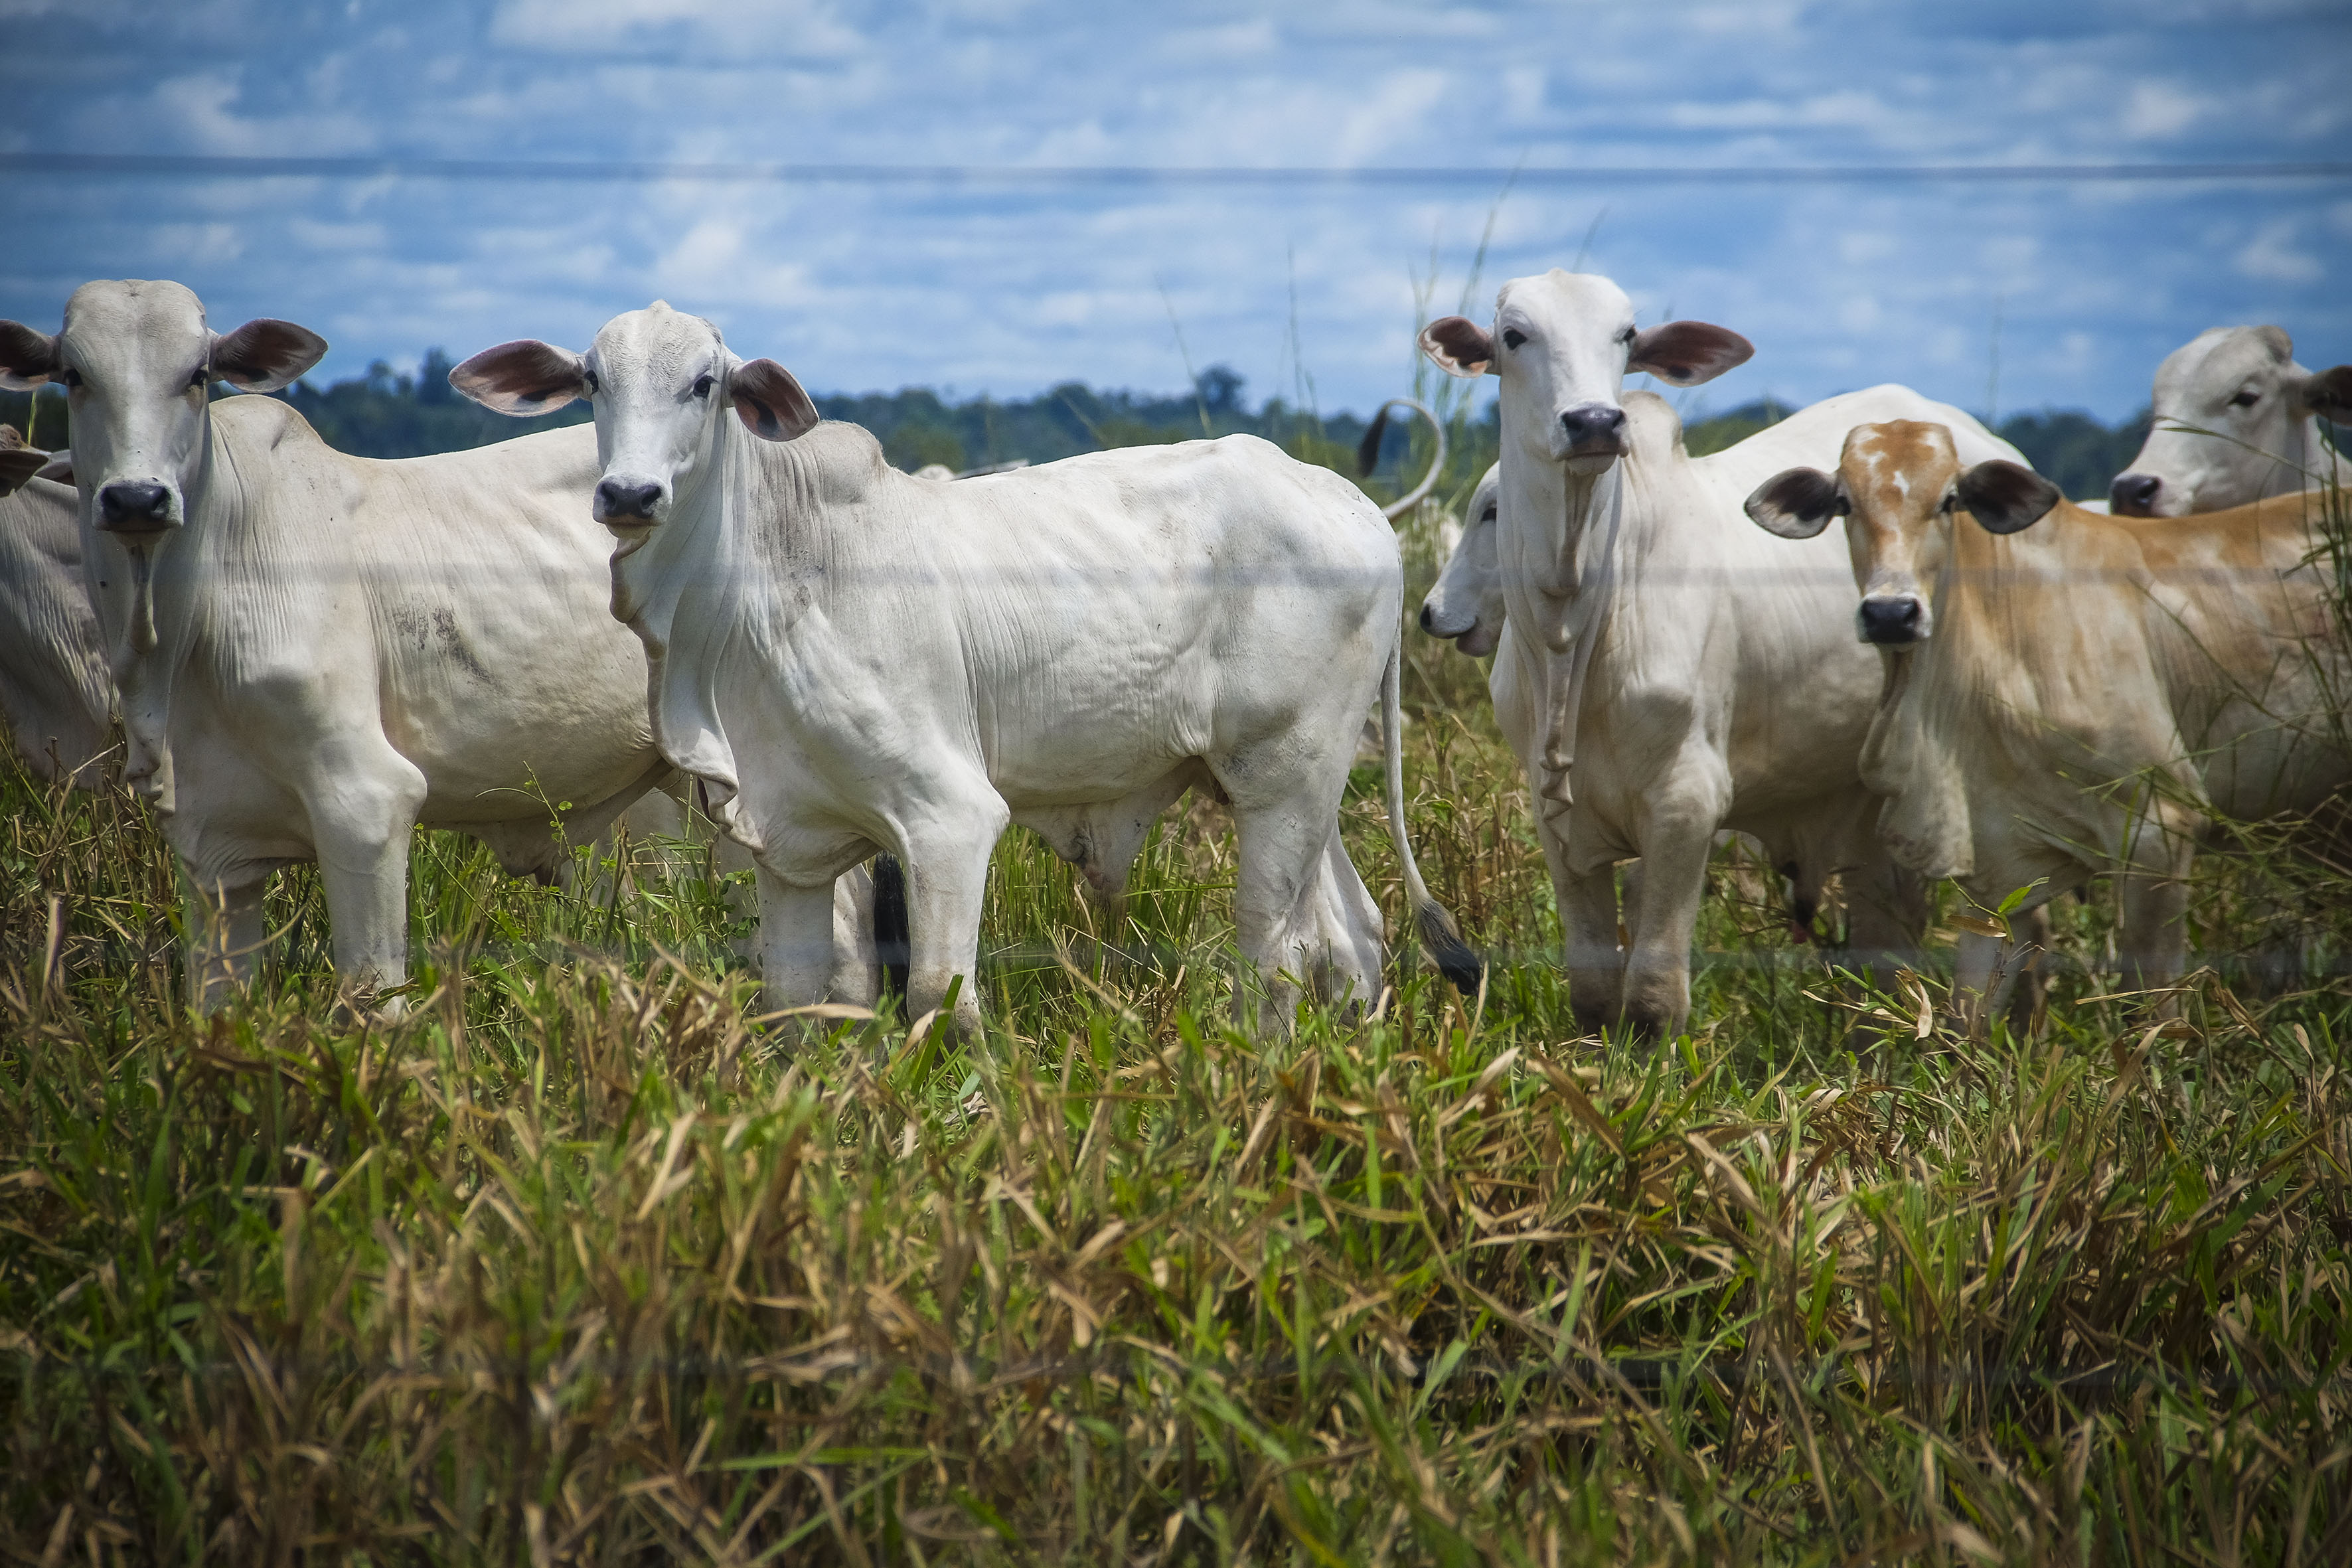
<point x="385" y="413"/>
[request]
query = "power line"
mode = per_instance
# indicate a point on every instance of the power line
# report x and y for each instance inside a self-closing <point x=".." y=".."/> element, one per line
<point x="158" y="165"/>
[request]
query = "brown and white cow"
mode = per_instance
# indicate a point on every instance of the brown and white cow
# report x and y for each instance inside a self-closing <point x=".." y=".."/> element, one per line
<point x="2075" y="693"/>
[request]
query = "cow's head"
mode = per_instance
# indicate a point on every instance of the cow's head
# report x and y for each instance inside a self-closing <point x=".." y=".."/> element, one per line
<point x="660" y="382"/>
<point x="2232" y="412"/>
<point x="136" y="360"/>
<point x="1563" y="344"/>
<point x="1897" y="486"/>
<point x="1466" y="605"/>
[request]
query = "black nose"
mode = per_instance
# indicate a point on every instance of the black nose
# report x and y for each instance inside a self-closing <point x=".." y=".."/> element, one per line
<point x="133" y="507"/>
<point x="2134" y="495"/>
<point x="1592" y="423"/>
<point x="1427" y="623"/>
<point x="620" y="498"/>
<point x="1890" y="620"/>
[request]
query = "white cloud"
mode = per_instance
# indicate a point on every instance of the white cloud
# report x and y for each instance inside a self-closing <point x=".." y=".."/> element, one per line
<point x="2160" y="109"/>
<point x="2270" y="256"/>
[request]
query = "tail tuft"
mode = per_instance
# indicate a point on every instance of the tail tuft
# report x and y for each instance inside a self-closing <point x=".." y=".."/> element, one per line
<point x="1368" y="451"/>
<point x="892" y="945"/>
<point x="1456" y="959"/>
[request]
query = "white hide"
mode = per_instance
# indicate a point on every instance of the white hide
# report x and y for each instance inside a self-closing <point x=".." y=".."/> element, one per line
<point x="53" y="690"/>
<point x="317" y="652"/>
<point x="1465" y="605"/>
<point x="850" y="659"/>
<point x="2234" y="423"/>
<point x="1667" y="670"/>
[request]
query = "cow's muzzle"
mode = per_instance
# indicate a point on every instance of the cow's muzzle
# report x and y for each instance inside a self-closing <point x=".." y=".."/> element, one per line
<point x="1891" y="621"/>
<point x="1437" y="626"/>
<point x="1590" y="437"/>
<point x="629" y="503"/>
<point x="2134" y="495"/>
<point x="136" y="506"/>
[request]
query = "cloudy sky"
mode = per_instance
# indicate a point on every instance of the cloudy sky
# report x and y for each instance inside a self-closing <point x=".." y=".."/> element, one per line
<point x="1010" y="287"/>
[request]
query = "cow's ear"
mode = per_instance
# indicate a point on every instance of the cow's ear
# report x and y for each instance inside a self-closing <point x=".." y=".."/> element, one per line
<point x="1797" y="503"/>
<point x="58" y="470"/>
<point x="770" y="400"/>
<point x="523" y="378"/>
<point x="1459" y="345"/>
<point x="2275" y="339"/>
<point x="2327" y="393"/>
<point x="2005" y="497"/>
<point x="27" y="358"/>
<point x="1687" y="353"/>
<point x="264" y="355"/>
<point x="18" y="464"/>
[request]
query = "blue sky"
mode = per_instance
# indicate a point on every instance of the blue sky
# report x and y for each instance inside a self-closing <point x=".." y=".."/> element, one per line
<point x="1010" y="289"/>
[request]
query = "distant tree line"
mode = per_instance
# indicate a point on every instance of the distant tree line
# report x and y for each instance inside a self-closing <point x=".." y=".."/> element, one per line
<point x="386" y="413"/>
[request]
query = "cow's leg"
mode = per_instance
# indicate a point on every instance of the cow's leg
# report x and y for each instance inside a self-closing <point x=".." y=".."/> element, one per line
<point x="1887" y="911"/>
<point x="363" y="803"/>
<point x="856" y="963"/>
<point x="797" y="942"/>
<point x="226" y="931"/>
<point x="1657" y="967"/>
<point x="2153" y="940"/>
<point x="1281" y="851"/>
<point x="1344" y="921"/>
<point x="1596" y="962"/>
<point x="946" y="860"/>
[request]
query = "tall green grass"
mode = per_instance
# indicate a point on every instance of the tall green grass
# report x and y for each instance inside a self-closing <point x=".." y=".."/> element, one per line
<point x="576" y="1264"/>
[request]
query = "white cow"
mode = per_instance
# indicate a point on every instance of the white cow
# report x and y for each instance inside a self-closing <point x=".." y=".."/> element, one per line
<point x="1465" y="605"/>
<point x="316" y="652"/>
<point x="850" y="659"/>
<point x="53" y="690"/>
<point x="1658" y="650"/>
<point x="2236" y="420"/>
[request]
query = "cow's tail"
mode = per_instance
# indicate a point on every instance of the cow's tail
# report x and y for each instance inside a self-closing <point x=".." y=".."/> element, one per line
<point x="1368" y="454"/>
<point x="893" y="948"/>
<point x="1456" y="959"/>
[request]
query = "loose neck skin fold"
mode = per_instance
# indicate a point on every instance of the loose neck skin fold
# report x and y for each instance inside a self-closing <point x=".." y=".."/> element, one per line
<point x="1561" y="558"/>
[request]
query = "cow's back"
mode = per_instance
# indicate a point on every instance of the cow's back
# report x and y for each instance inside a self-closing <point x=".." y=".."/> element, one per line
<point x="1068" y="623"/>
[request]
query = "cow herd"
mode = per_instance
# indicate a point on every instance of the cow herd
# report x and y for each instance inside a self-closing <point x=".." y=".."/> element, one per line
<point x="712" y="589"/>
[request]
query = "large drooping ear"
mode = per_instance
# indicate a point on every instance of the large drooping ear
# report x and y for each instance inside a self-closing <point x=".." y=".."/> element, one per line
<point x="58" y="470"/>
<point x="2005" y="497"/>
<point x="1797" y="503"/>
<point x="770" y="400"/>
<point x="1459" y="345"/>
<point x="264" y="355"/>
<point x="2327" y="393"/>
<point x="523" y="378"/>
<point x="1687" y="353"/>
<point x="27" y="358"/>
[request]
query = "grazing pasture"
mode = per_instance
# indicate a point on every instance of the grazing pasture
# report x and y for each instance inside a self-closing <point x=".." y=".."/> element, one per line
<point x="577" y="1263"/>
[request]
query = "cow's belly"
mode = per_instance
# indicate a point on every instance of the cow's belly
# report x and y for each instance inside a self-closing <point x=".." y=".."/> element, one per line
<point x="503" y="723"/>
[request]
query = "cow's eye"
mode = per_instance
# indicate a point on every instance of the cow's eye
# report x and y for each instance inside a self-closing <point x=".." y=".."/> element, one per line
<point x="1627" y="336"/>
<point x="1513" y="337"/>
<point x="2246" y="399"/>
<point x="1486" y="516"/>
<point x="72" y="377"/>
<point x="199" y="378"/>
<point x="588" y="383"/>
<point x="702" y="387"/>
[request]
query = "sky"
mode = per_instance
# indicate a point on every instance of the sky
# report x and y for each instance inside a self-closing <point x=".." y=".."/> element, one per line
<point x="2008" y="297"/>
